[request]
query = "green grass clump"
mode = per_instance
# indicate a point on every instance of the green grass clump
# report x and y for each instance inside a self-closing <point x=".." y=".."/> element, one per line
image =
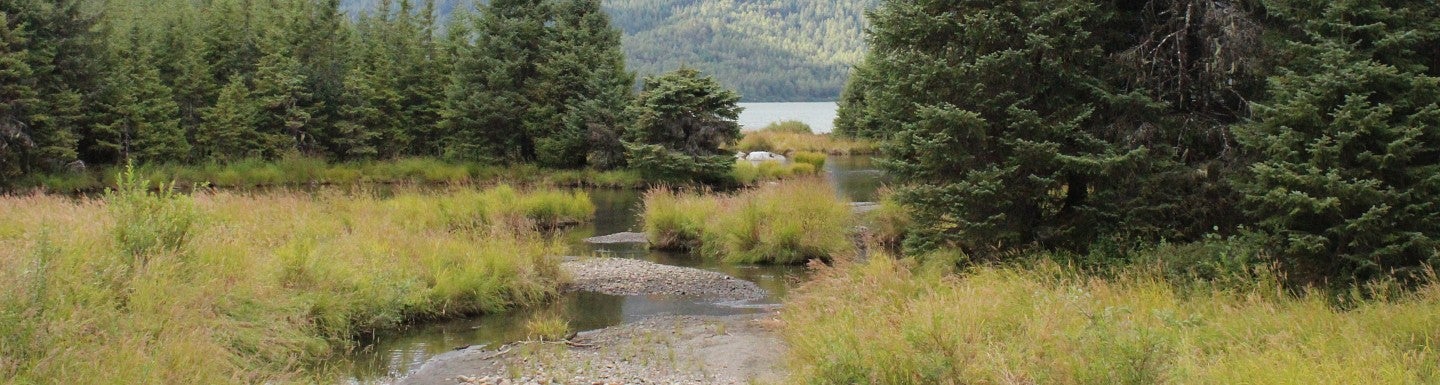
<point x="676" y="220"/>
<point x="298" y="170"/>
<point x="789" y="127"/>
<point x="143" y="286"/>
<point x="892" y="322"/>
<point x="745" y="173"/>
<point x="785" y="224"/>
<point x="815" y="159"/>
<point x="791" y="142"/>
<point x="888" y="223"/>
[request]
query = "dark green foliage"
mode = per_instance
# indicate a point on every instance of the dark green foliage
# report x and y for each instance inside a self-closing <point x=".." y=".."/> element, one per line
<point x="683" y="114"/>
<point x="140" y="119"/>
<point x="582" y="86"/>
<point x="284" y="106"/>
<point x="1003" y="148"/>
<point x="487" y="106"/>
<point x="16" y="92"/>
<point x="228" y="129"/>
<point x="1346" y="173"/>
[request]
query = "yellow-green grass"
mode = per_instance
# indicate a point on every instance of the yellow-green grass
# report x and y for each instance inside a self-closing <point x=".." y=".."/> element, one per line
<point x="790" y="142"/>
<point x="746" y="173"/>
<point x="139" y="288"/>
<point x="888" y="322"/>
<point x="889" y="222"/>
<point x="788" y="223"/>
<point x="305" y="171"/>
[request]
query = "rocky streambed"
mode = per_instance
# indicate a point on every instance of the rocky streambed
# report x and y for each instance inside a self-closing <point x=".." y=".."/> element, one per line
<point x="662" y="349"/>
<point x="618" y="276"/>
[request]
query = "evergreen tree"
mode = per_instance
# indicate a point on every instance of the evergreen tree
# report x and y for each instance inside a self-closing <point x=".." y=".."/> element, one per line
<point x="16" y="94"/>
<point x="1003" y="149"/>
<point x="228" y="131"/>
<point x="283" y="101"/>
<point x="140" y="119"/>
<point x="581" y="89"/>
<point x="64" y="52"/>
<point x="683" y="122"/>
<point x="1347" y="148"/>
<point x="486" y="104"/>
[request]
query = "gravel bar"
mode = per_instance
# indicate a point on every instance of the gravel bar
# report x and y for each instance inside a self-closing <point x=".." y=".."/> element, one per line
<point x="618" y="276"/>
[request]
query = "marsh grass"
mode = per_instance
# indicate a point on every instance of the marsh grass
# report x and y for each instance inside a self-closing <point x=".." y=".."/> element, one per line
<point x="304" y="171"/>
<point x="149" y="286"/>
<point x="788" y="223"/>
<point x="896" y="322"/>
<point x="788" y="142"/>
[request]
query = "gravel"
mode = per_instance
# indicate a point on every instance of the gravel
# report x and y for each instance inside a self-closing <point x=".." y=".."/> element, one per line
<point x="658" y="350"/>
<point x="619" y="238"/>
<point x="618" y="276"/>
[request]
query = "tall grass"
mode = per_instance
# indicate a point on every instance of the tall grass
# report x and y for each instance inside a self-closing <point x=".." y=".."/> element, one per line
<point x="890" y="322"/>
<point x="155" y="287"/>
<point x="785" y="224"/>
<point x="305" y="171"/>
<point x="785" y="142"/>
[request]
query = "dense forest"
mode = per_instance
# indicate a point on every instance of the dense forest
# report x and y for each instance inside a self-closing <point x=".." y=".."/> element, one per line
<point x="1311" y="127"/>
<point x="105" y="82"/>
<point x="770" y="51"/>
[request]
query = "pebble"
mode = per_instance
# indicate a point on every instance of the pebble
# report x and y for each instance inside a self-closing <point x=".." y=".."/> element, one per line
<point x="618" y="276"/>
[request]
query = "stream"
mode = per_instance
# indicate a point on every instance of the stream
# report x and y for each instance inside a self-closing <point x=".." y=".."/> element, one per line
<point x="395" y="354"/>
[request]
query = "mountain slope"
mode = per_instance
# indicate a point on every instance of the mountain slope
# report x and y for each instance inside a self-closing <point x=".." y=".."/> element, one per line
<point x="769" y="50"/>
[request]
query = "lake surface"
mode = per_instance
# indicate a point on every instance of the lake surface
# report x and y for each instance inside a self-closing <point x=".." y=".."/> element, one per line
<point x="395" y="354"/>
<point x="820" y="116"/>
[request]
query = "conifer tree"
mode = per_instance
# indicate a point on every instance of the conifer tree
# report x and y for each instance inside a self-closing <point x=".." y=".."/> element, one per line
<point x="1346" y="173"/>
<point x="486" y="104"/>
<point x="581" y="89"/>
<point x="996" y="134"/>
<point x="683" y="122"/>
<point x="228" y="130"/>
<point x="140" y="119"/>
<point x="16" y="94"/>
<point x="283" y="105"/>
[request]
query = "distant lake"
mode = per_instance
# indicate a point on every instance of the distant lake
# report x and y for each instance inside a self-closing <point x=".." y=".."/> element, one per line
<point x="820" y="116"/>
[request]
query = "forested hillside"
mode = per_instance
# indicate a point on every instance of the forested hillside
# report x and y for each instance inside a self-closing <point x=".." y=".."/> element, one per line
<point x="794" y="50"/>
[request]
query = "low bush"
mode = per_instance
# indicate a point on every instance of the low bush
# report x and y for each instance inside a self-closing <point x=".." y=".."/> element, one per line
<point x="896" y="322"/>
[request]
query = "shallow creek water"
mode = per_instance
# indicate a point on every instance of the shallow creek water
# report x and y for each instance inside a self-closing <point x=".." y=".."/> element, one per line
<point x="395" y="354"/>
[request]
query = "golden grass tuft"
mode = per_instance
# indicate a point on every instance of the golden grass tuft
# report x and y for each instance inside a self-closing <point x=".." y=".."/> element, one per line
<point x="788" y="223"/>
<point x="258" y="286"/>
<point x="890" y="322"/>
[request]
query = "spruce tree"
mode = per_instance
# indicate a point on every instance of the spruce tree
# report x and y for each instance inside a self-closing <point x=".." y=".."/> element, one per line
<point x="581" y="89"/>
<point x="486" y="104"/>
<point x="683" y="122"/>
<point x="228" y="129"/>
<point x="283" y="105"/>
<point x="139" y="119"/>
<point x="17" y="92"/>
<point x="1346" y="173"/>
<point x="996" y="134"/>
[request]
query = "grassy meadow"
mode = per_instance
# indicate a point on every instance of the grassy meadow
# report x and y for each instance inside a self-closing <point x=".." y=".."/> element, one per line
<point x="297" y="171"/>
<point x="140" y="286"/>
<point x="791" y="137"/>
<point x="786" y="223"/>
<point x="889" y="321"/>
